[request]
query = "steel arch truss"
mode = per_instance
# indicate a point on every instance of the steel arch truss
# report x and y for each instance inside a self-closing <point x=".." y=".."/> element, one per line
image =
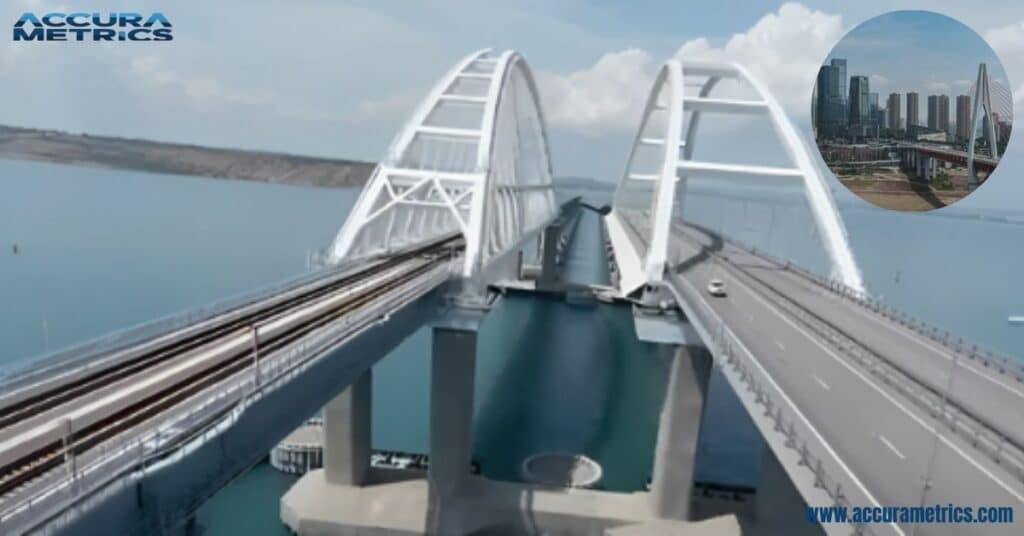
<point x="647" y="201"/>
<point x="473" y="159"/>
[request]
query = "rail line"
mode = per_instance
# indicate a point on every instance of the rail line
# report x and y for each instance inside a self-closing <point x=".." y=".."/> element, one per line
<point x="233" y="346"/>
<point x="32" y="405"/>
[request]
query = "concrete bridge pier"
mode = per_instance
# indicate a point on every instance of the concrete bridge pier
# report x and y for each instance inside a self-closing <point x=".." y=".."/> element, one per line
<point x="681" y="411"/>
<point x="452" y="375"/>
<point x="679" y="432"/>
<point x="347" y="434"/>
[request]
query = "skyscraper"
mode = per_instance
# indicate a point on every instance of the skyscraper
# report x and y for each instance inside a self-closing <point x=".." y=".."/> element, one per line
<point x="876" y="116"/>
<point x="963" y="117"/>
<point x="912" y="108"/>
<point x="892" y="110"/>
<point x="830" y="108"/>
<point x="938" y="112"/>
<point x="859" y="104"/>
<point x="944" y="113"/>
<point x="839" y="68"/>
<point x="933" y="112"/>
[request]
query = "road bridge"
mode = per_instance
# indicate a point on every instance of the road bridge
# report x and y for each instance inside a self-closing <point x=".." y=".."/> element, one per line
<point x="859" y="404"/>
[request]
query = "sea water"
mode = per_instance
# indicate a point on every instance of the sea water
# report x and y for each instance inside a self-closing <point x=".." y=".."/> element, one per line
<point x="84" y="251"/>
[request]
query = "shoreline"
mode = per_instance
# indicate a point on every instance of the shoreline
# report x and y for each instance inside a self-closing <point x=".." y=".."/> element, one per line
<point x="58" y="147"/>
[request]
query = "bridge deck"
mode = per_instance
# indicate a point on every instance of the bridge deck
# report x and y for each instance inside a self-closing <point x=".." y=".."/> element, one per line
<point x="68" y="436"/>
<point x="887" y="442"/>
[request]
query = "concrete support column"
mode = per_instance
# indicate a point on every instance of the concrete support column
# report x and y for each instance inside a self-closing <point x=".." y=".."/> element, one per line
<point x="778" y="503"/>
<point x="679" y="431"/>
<point x="453" y="368"/>
<point x="347" y="433"/>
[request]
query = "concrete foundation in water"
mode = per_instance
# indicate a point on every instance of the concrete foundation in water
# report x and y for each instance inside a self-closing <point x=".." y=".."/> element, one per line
<point x="348" y="497"/>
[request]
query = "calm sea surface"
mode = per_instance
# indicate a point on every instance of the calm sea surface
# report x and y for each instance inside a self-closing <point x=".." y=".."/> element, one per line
<point x="98" y="250"/>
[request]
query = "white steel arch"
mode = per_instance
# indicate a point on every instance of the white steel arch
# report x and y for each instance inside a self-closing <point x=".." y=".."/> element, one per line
<point x="647" y="197"/>
<point x="473" y="159"/>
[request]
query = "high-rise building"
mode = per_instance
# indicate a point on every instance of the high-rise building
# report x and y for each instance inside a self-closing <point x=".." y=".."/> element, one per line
<point x="839" y="68"/>
<point x="963" y="117"/>
<point x="860" y="103"/>
<point x="933" y="112"/>
<point x="821" y="100"/>
<point x="892" y="110"/>
<point x="875" y="114"/>
<point x="944" y="113"/>
<point x="830" y="106"/>
<point x="938" y="112"/>
<point x="912" y="109"/>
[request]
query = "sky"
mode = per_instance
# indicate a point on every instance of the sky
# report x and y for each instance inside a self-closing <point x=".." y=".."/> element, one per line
<point x="338" y="79"/>
<point x="918" y="51"/>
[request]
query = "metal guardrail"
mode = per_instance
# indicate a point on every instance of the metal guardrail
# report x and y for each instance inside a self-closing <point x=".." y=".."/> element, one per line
<point x="59" y="491"/>
<point x="80" y="355"/>
<point x="786" y="425"/>
<point x="934" y="402"/>
<point x="730" y="352"/>
<point x="976" y="352"/>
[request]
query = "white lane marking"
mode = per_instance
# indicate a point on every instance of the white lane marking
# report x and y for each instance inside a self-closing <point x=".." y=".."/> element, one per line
<point x="781" y="347"/>
<point x="822" y="383"/>
<point x="881" y="391"/>
<point x="771" y="380"/>
<point x="892" y="447"/>
<point x="935" y="348"/>
<point x="924" y="342"/>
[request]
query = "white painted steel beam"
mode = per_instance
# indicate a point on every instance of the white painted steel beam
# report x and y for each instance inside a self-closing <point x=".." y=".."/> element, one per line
<point x="647" y="202"/>
<point x="490" y="182"/>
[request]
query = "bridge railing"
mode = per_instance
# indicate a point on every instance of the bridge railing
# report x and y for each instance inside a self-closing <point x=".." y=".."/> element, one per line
<point x="955" y="343"/>
<point x="736" y="360"/>
<point x="85" y="354"/>
<point x="933" y="401"/>
<point x="784" y="422"/>
<point x="59" y="492"/>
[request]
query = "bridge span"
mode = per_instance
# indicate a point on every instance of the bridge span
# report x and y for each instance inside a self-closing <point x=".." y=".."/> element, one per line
<point x="860" y="404"/>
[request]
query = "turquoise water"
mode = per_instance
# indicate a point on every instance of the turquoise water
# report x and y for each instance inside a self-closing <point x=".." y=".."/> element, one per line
<point x="99" y="250"/>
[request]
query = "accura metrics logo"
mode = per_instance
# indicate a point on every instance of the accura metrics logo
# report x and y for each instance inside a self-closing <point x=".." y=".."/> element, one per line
<point x="82" y="26"/>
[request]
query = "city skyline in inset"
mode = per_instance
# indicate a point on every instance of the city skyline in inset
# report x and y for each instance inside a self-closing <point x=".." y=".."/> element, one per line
<point x="916" y="52"/>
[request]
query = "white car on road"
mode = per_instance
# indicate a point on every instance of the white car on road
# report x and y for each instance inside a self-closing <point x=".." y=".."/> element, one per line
<point x="716" y="288"/>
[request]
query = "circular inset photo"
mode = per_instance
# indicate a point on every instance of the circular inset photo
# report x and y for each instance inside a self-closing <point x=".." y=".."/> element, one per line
<point x="912" y="110"/>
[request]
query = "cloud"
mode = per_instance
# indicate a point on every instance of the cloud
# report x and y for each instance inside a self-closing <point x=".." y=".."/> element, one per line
<point x="937" y="87"/>
<point x="609" y="94"/>
<point x="201" y="90"/>
<point x="783" y="49"/>
<point x="1008" y="42"/>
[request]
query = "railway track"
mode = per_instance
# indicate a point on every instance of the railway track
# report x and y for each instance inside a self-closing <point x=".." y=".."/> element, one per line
<point x="19" y="410"/>
<point x="218" y="352"/>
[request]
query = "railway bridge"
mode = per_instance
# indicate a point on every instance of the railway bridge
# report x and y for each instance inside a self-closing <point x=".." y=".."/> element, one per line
<point x="859" y="403"/>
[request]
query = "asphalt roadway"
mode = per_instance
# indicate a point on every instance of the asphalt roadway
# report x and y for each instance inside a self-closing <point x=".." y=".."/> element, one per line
<point x="889" y="443"/>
